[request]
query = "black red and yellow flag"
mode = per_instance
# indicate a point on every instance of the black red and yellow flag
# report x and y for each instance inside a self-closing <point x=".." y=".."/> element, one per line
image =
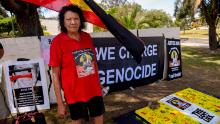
<point x="56" y="5"/>
<point x="97" y="16"/>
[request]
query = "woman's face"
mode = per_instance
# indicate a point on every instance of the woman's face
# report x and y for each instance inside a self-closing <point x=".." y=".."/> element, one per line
<point x="71" y="22"/>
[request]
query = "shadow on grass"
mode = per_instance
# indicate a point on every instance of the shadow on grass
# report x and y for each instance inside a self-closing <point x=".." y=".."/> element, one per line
<point x="201" y="70"/>
<point x="200" y="57"/>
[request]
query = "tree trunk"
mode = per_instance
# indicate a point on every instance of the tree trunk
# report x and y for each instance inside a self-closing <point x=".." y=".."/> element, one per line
<point x="29" y="25"/>
<point x="210" y="11"/>
<point x="26" y="15"/>
<point x="213" y="43"/>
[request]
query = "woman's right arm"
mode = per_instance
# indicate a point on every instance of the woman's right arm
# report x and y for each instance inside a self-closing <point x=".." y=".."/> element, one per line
<point x="57" y="88"/>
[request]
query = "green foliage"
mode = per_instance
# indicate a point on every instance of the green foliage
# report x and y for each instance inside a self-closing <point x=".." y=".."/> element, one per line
<point x="107" y="4"/>
<point x="128" y="15"/>
<point x="6" y="25"/>
<point x="184" y="10"/>
<point x="132" y="16"/>
<point x="158" y="19"/>
<point x="184" y="24"/>
<point x="1" y="17"/>
<point x="208" y="11"/>
<point x="26" y="15"/>
<point x="184" y="13"/>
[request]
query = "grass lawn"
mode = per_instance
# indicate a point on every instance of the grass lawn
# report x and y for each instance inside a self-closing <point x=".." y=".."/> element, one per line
<point x="202" y="68"/>
<point x="200" y="57"/>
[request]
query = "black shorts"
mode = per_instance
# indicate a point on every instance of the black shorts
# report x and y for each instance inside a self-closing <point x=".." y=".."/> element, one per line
<point x="83" y="110"/>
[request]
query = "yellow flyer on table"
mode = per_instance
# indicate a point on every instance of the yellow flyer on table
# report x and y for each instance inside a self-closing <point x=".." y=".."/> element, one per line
<point x="205" y="101"/>
<point x="184" y="107"/>
<point x="164" y="115"/>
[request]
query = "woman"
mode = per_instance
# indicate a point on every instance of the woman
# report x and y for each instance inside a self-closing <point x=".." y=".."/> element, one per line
<point x="69" y="51"/>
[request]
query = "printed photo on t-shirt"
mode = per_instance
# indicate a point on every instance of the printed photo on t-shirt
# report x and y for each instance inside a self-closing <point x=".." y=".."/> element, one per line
<point x="85" y="64"/>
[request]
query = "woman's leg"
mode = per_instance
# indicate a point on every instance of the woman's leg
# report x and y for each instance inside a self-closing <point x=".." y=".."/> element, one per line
<point x="96" y="109"/>
<point x="75" y="122"/>
<point x="78" y="111"/>
<point x="97" y="120"/>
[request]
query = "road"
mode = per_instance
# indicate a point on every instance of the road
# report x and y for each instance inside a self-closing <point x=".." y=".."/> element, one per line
<point x="195" y="42"/>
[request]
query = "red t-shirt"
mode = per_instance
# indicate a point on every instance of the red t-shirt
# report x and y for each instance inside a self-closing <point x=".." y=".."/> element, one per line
<point x="79" y="74"/>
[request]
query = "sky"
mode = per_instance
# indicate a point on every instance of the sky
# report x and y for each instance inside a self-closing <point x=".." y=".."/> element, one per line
<point x="165" y="5"/>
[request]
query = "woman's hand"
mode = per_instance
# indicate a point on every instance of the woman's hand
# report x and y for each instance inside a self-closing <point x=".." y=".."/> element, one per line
<point x="61" y="110"/>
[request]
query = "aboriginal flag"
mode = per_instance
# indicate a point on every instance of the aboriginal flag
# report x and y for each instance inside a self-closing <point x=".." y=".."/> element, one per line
<point x="97" y="16"/>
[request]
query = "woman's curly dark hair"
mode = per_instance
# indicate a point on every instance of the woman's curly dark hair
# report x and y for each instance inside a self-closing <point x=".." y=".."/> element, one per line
<point x="72" y="8"/>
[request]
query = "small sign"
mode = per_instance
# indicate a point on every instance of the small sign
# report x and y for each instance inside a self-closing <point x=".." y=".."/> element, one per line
<point x="24" y="96"/>
<point x="178" y="103"/>
<point x="174" y="63"/>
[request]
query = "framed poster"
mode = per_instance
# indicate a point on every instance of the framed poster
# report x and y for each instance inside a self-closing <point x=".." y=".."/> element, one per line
<point x="20" y="77"/>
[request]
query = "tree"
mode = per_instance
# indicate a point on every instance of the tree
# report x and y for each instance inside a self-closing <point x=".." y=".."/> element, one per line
<point x="184" y="24"/>
<point x="129" y="20"/>
<point x="130" y="15"/>
<point x="3" y="13"/>
<point x="26" y="16"/>
<point x="6" y="25"/>
<point x="133" y="16"/>
<point x="158" y="18"/>
<point x="207" y="9"/>
<point x="107" y="4"/>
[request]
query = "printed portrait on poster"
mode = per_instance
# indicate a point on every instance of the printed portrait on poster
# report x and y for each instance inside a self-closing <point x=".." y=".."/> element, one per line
<point x="85" y="64"/>
<point x="174" y="55"/>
